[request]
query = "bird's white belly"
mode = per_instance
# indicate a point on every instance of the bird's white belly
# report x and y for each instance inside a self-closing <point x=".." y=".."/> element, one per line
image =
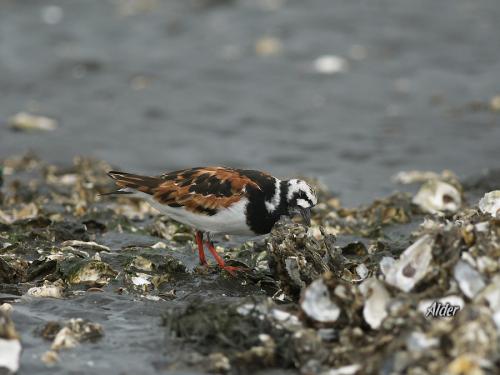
<point x="231" y="220"/>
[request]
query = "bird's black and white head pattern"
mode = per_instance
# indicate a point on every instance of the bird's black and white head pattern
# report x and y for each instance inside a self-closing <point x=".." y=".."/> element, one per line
<point x="278" y="198"/>
<point x="300" y="195"/>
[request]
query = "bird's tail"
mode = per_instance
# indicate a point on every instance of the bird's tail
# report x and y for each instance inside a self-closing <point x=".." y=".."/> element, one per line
<point x="129" y="182"/>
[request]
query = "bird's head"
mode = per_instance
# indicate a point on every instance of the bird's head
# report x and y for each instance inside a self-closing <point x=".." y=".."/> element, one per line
<point x="300" y="199"/>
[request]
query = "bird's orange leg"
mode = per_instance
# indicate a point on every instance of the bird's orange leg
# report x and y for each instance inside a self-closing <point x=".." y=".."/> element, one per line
<point x="219" y="260"/>
<point x="201" y="252"/>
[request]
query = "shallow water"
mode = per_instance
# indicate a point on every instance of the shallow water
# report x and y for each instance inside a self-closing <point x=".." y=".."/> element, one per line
<point x="181" y="84"/>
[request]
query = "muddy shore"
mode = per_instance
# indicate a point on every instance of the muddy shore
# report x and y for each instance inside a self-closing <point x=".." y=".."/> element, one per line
<point x="108" y="286"/>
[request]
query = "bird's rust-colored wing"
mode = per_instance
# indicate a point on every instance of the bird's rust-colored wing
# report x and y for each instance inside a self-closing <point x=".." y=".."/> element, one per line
<point x="202" y="190"/>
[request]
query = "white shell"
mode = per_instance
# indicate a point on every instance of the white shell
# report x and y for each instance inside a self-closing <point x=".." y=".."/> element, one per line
<point x="490" y="203"/>
<point x="375" y="308"/>
<point x="436" y="197"/>
<point x="46" y="290"/>
<point x="330" y="64"/>
<point x="27" y="122"/>
<point x="317" y="304"/>
<point x="469" y="280"/>
<point x="141" y="279"/>
<point x="10" y="353"/>
<point x="344" y="370"/>
<point x="362" y="271"/>
<point x="411" y="266"/>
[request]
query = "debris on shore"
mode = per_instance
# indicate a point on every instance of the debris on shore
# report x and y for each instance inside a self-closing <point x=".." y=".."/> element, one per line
<point x="27" y="122"/>
<point x="349" y="295"/>
<point x="10" y="345"/>
<point x="68" y="336"/>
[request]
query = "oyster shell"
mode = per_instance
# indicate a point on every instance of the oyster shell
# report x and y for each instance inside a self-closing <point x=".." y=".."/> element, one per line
<point x="412" y="265"/>
<point x="377" y="298"/>
<point x="490" y="204"/>
<point x="438" y="197"/>
<point x="317" y="303"/>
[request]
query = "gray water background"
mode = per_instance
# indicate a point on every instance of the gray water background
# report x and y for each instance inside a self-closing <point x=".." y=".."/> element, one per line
<point x="209" y="98"/>
<point x="414" y="100"/>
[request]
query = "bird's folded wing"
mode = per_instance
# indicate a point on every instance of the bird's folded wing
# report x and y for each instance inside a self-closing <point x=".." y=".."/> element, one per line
<point x="201" y="190"/>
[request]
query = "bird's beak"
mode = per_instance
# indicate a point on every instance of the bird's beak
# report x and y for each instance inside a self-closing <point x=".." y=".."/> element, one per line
<point x="306" y="215"/>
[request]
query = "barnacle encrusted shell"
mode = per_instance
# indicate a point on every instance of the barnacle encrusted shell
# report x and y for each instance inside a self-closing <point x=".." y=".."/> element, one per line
<point x="490" y="203"/>
<point x="91" y="272"/>
<point x="48" y="289"/>
<point x="75" y="331"/>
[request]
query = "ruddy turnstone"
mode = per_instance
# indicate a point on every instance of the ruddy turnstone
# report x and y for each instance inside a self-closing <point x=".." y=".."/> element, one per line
<point x="220" y="200"/>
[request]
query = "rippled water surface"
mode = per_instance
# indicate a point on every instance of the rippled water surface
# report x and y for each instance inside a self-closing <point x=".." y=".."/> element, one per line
<point x="152" y="86"/>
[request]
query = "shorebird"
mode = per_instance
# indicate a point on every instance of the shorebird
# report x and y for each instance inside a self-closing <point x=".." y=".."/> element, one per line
<point x="215" y="200"/>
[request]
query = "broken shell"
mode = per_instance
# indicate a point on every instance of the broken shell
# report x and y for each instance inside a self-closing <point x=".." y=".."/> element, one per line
<point x="490" y="204"/>
<point x="285" y="319"/>
<point x="141" y="279"/>
<point x="6" y="308"/>
<point x="437" y="197"/>
<point x="412" y="265"/>
<point x="386" y="263"/>
<point x="377" y="298"/>
<point x="86" y="244"/>
<point x="64" y="339"/>
<point x="75" y="331"/>
<point x="469" y="280"/>
<point x="52" y="290"/>
<point x="10" y="346"/>
<point x="218" y="362"/>
<point x="267" y="310"/>
<point x="362" y="271"/>
<point x="91" y="272"/>
<point x="26" y="122"/>
<point x="317" y="304"/>
<point x="487" y="265"/>
<point x="159" y="245"/>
